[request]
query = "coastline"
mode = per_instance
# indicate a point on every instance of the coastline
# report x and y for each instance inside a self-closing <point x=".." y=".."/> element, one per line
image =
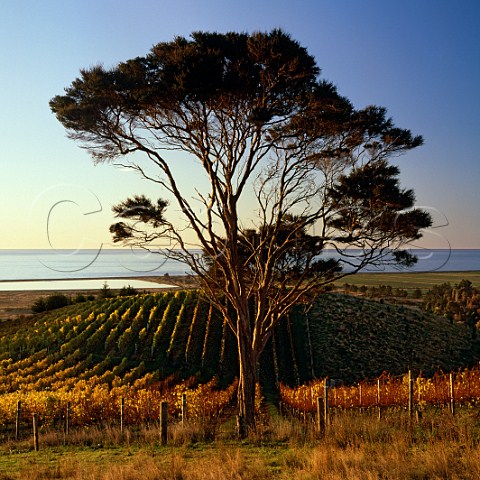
<point x="163" y="279"/>
<point x="17" y="303"/>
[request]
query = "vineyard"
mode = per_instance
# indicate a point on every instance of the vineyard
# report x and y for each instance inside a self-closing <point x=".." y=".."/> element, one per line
<point x="116" y="342"/>
<point x="99" y="405"/>
<point x="145" y="349"/>
<point x="461" y="387"/>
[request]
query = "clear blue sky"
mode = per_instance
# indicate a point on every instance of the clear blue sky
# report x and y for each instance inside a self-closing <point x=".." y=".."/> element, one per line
<point x="418" y="58"/>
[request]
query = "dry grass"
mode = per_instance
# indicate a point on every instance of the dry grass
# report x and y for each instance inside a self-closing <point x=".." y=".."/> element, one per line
<point x="397" y="462"/>
<point x="354" y="447"/>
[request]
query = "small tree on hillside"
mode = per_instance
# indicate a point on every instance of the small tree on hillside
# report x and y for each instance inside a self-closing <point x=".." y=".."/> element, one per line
<point x="290" y="168"/>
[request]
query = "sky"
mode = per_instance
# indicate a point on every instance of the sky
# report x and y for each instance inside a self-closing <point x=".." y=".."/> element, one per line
<point x="418" y="58"/>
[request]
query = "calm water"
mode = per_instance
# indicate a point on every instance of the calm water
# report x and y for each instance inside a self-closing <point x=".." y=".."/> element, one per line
<point x="63" y="264"/>
<point x="108" y="264"/>
<point x="86" y="269"/>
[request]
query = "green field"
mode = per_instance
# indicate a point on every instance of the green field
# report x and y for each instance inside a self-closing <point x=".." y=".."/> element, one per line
<point x="410" y="281"/>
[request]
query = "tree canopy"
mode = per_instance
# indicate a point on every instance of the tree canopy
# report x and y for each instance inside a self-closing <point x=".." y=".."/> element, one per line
<point x="252" y="112"/>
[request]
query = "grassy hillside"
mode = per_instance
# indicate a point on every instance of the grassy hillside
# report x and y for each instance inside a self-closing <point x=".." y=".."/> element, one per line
<point x="354" y="338"/>
<point x="411" y="280"/>
<point x="155" y="336"/>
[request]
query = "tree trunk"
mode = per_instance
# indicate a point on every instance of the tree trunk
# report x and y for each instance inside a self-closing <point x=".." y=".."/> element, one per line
<point x="246" y="385"/>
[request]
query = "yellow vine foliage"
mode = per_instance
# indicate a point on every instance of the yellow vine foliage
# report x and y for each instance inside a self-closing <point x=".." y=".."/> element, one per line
<point x="388" y="391"/>
<point x="92" y="402"/>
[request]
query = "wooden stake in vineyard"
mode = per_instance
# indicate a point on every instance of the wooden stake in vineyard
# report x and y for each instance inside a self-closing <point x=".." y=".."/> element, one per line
<point x="326" y="405"/>
<point x="320" y="415"/>
<point x="410" y="394"/>
<point x="67" y="420"/>
<point x="378" y="400"/>
<point x="122" y="414"/>
<point x="184" y="408"/>
<point x="163" y="422"/>
<point x="17" y="420"/>
<point x="360" y="397"/>
<point x="452" y="394"/>
<point x="35" y="432"/>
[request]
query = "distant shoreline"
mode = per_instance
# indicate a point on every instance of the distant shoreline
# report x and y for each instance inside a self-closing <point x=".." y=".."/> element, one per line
<point x="149" y="278"/>
<point x="42" y="266"/>
<point x="18" y="303"/>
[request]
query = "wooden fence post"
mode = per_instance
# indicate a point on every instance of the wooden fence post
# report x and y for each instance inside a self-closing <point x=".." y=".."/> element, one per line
<point x="418" y="415"/>
<point x="379" y="385"/>
<point x="35" y="432"/>
<point x="360" y="398"/>
<point x="184" y="408"/>
<point x="241" y="426"/>
<point x="452" y="394"/>
<point x="149" y="412"/>
<point x="17" y="420"/>
<point x="122" y="414"/>
<point x="410" y="394"/>
<point x="163" y="422"/>
<point x="67" y="420"/>
<point x="326" y="405"/>
<point x="320" y="415"/>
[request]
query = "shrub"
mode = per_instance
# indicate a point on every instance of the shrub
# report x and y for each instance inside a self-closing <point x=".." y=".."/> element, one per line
<point x="52" y="302"/>
<point x="80" y="298"/>
<point x="127" y="291"/>
<point x="417" y="293"/>
<point x="39" y="305"/>
<point x="105" y="292"/>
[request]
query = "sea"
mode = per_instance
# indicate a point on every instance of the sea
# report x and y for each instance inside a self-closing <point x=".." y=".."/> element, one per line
<point x="83" y="269"/>
<point x="75" y="269"/>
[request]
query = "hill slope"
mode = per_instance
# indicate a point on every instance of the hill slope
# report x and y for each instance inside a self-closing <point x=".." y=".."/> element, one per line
<point x="154" y="336"/>
<point x="353" y="338"/>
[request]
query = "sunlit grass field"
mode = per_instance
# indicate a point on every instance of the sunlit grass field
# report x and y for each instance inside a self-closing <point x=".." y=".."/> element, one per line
<point x="411" y="281"/>
<point x="354" y="447"/>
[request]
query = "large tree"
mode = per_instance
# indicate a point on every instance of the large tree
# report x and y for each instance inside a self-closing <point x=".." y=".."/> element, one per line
<point x="291" y="168"/>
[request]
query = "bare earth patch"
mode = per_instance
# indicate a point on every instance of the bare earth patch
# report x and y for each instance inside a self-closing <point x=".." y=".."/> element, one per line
<point x="15" y="303"/>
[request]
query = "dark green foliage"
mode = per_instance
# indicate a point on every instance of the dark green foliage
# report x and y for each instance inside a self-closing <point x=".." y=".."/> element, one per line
<point x="212" y="343"/>
<point x="196" y="336"/>
<point x="268" y="375"/>
<point x="127" y="291"/>
<point x="417" y="294"/>
<point x="52" y="302"/>
<point x="39" y="306"/>
<point x="208" y="68"/>
<point x="105" y="292"/>
<point x="56" y="301"/>
<point x="356" y="338"/>
<point x="161" y="337"/>
<point x="179" y="337"/>
<point x="228" y="364"/>
<point x="284" y="355"/>
<point x="80" y="298"/>
<point x="369" y="199"/>
<point x="299" y="338"/>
